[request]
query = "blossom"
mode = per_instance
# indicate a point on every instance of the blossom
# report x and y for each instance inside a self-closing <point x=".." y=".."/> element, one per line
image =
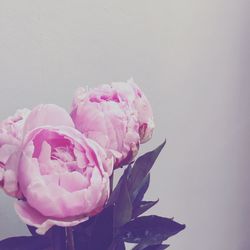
<point x="101" y="115"/>
<point x="11" y="135"/>
<point x="63" y="176"/>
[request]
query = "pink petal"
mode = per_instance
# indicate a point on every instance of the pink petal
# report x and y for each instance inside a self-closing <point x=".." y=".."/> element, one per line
<point x="47" y="115"/>
<point x="1" y="174"/>
<point x="73" y="181"/>
<point x="6" y="151"/>
<point x="10" y="182"/>
<point x="45" y="153"/>
<point x="32" y="217"/>
<point x="45" y="197"/>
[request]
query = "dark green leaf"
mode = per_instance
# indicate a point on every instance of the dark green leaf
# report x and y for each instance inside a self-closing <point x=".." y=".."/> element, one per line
<point x="150" y="230"/>
<point x="83" y="232"/>
<point x="142" y="167"/>
<point x="58" y="237"/>
<point x="32" y="230"/>
<point x="152" y="247"/>
<point x="102" y="233"/>
<point x="140" y="247"/>
<point x="122" y="206"/>
<point x="138" y="194"/>
<point x="143" y="207"/>
<point x="117" y="244"/>
<point x="25" y="243"/>
<point x="85" y="227"/>
<point x="157" y="247"/>
<point x="116" y="192"/>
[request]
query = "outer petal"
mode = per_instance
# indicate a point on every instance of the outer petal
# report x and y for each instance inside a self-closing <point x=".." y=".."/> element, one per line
<point x="107" y="157"/>
<point x="1" y="176"/>
<point x="32" y="217"/>
<point x="10" y="172"/>
<point x="132" y="94"/>
<point x="11" y="134"/>
<point x="10" y="182"/>
<point x="11" y="129"/>
<point x="6" y="151"/>
<point x="47" y="115"/>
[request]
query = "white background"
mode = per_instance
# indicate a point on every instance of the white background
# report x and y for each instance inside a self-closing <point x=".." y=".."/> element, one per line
<point x="192" y="60"/>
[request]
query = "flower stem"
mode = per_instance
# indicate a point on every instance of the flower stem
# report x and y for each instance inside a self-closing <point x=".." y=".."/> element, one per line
<point x="111" y="178"/>
<point x="70" y="238"/>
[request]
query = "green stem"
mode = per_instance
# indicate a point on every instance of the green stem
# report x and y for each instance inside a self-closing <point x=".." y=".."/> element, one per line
<point x="111" y="178"/>
<point x="70" y="238"/>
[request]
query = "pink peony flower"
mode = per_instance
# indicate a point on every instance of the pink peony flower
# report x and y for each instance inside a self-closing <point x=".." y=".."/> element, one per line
<point x="11" y="134"/>
<point x="103" y="116"/>
<point x="63" y="176"/>
<point x="130" y="92"/>
<point x="118" y="116"/>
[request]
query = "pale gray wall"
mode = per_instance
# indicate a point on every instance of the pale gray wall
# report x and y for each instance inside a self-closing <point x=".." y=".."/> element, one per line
<point x="190" y="57"/>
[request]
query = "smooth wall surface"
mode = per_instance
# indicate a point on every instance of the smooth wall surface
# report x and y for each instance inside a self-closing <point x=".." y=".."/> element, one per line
<point x="192" y="60"/>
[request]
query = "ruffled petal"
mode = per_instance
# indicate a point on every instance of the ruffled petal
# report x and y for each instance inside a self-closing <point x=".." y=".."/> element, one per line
<point x="10" y="182"/>
<point x="73" y="181"/>
<point x="32" y="217"/>
<point x="6" y="151"/>
<point x="47" y="115"/>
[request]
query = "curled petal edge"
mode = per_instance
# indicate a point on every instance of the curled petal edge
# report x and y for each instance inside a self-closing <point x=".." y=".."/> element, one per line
<point x="47" y="115"/>
<point x="32" y="217"/>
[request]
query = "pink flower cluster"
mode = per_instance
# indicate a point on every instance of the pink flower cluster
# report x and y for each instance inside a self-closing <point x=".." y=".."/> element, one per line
<point x="58" y="164"/>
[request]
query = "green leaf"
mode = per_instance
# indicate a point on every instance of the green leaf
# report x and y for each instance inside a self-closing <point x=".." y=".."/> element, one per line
<point x="142" y="167"/>
<point x="116" y="192"/>
<point x="25" y="243"/>
<point x="140" y="247"/>
<point x="143" y="207"/>
<point x="83" y="232"/>
<point x="32" y="230"/>
<point x="117" y="244"/>
<point x="122" y="207"/>
<point x="152" y="247"/>
<point x="58" y="237"/>
<point x="102" y="233"/>
<point x="138" y="194"/>
<point x="157" y="247"/>
<point x="150" y="230"/>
